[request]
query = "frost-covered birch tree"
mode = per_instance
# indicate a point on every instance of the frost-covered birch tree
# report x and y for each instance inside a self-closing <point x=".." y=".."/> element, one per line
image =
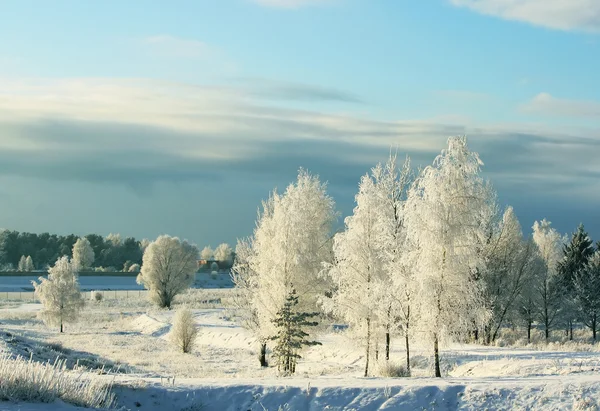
<point x="446" y="214"/>
<point x="245" y="282"/>
<point x="29" y="266"/>
<point x="25" y="264"/>
<point x="357" y="273"/>
<point x="59" y="294"/>
<point x="115" y="239"/>
<point x="527" y="301"/>
<point x="368" y="255"/>
<point x="83" y="254"/>
<point x="223" y="253"/>
<point x="509" y="261"/>
<point x="144" y="244"/>
<point x="207" y="253"/>
<point x="548" y="286"/>
<point x="168" y="268"/>
<point x="291" y="240"/>
<point x="397" y="286"/>
<point x="22" y="263"/>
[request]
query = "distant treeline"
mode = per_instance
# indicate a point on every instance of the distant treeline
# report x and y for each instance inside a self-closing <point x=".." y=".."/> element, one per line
<point x="111" y="252"/>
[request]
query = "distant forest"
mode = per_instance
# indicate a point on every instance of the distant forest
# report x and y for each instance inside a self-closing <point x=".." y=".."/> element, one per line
<point x="111" y="252"/>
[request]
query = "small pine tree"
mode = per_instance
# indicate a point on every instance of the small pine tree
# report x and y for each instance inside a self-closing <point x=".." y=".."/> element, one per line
<point x="59" y="294"/>
<point x="291" y="336"/>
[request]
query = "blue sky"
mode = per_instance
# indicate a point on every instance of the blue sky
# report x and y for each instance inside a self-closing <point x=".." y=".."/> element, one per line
<point x="150" y="117"/>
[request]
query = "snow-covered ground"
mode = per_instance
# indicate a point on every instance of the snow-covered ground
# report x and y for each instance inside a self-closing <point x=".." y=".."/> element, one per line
<point x="130" y="338"/>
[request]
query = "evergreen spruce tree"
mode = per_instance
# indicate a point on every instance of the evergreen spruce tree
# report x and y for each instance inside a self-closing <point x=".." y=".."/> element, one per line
<point x="577" y="254"/>
<point x="587" y="291"/>
<point x="291" y="336"/>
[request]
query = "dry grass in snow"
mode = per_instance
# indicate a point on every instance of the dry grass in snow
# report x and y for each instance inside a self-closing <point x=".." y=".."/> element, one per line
<point x="30" y="381"/>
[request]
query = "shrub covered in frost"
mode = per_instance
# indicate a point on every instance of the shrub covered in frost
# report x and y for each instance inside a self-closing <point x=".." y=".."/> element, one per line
<point x="184" y="331"/>
<point x="96" y="296"/>
<point x="391" y="369"/>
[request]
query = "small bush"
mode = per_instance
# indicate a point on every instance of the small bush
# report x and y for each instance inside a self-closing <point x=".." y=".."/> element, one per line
<point x="184" y="331"/>
<point x="390" y="369"/>
<point x="500" y="342"/>
<point x="96" y="296"/>
<point x="30" y="381"/>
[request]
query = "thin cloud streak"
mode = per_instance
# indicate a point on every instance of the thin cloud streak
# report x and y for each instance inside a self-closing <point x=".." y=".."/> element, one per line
<point x="279" y="90"/>
<point x="546" y="104"/>
<point x="578" y="15"/>
<point x="171" y="46"/>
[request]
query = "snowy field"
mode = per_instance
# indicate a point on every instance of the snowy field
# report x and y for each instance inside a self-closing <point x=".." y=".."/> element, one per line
<point x="125" y="341"/>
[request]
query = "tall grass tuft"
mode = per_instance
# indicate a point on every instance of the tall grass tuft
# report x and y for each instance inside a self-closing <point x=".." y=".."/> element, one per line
<point x="30" y="381"/>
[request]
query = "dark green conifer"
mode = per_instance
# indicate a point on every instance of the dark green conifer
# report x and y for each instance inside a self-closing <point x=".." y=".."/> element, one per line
<point x="291" y="336"/>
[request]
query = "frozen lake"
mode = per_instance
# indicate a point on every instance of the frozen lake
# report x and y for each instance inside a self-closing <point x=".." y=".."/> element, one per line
<point x="111" y="282"/>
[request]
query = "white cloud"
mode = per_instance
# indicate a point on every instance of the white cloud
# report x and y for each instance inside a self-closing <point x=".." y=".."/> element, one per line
<point x="290" y="4"/>
<point x="546" y="104"/>
<point x="172" y="46"/>
<point x="226" y="112"/>
<point x="196" y="126"/>
<point x="282" y="90"/>
<point x="581" y="15"/>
